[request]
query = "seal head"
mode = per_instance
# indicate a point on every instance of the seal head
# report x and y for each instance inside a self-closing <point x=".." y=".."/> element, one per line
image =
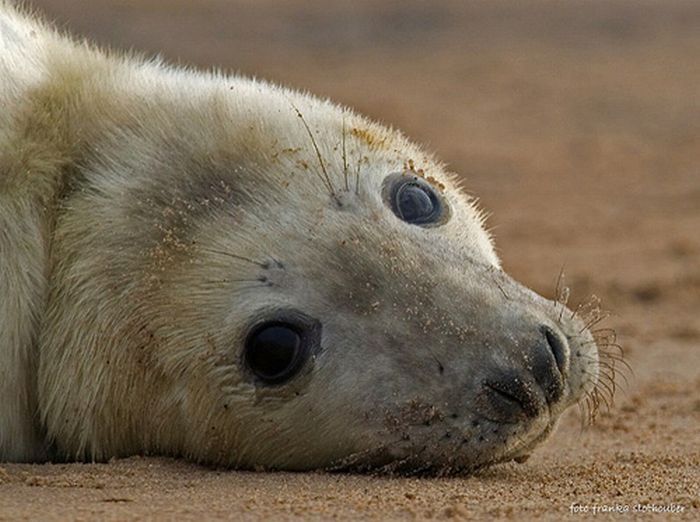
<point x="256" y="278"/>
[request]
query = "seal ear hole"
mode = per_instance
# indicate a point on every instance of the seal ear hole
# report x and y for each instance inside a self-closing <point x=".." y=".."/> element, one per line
<point x="414" y="200"/>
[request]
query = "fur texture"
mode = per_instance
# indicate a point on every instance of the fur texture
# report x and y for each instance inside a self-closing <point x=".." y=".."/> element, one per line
<point x="147" y="213"/>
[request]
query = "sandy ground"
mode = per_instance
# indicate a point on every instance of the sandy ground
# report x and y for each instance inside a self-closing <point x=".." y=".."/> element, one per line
<point x="578" y="125"/>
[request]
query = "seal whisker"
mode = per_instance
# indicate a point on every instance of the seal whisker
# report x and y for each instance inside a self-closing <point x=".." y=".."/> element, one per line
<point x="610" y="366"/>
<point x="325" y="178"/>
<point x="604" y="331"/>
<point x="610" y="389"/>
<point x="625" y="367"/>
<point x="563" y="300"/>
<point x="261" y="264"/>
<point x="584" y="405"/>
<point x="357" y="174"/>
<point x="261" y="279"/>
<point x="591" y="409"/>
<point x="606" y="348"/>
<point x="602" y="392"/>
<point x="594" y="321"/>
<point x="589" y="308"/>
<point x="604" y="367"/>
<point x="557" y="286"/>
<point x="619" y="350"/>
<point x="576" y="311"/>
<point x="582" y="416"/>
<point x="500" y="287"/>
<point x="616" y="358"/>
<point x="345" y="155"/>
<point x="594" y="406"/>
<point x="603" y="341"/>
<point x="614" y="371"/>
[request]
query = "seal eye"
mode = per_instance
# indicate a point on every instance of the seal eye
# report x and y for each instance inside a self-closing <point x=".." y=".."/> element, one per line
<point x="413" y="200"/>
<point x="414" y="204"/>
<point x="280" y="346"/>
<point x="275" y="352"/>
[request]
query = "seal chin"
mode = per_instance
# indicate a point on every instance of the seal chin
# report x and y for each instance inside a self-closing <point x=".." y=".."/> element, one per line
<point x="522" y="451"/>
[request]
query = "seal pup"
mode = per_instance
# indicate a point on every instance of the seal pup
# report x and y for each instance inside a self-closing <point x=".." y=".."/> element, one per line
<point x="207" y="266"/>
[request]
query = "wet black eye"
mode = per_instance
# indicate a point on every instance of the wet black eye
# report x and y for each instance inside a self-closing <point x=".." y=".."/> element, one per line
<point x="275" y="352"/>
<point x="413" y="200"/>
<point x="277" y="349"/>
<point x="414" y="203"/>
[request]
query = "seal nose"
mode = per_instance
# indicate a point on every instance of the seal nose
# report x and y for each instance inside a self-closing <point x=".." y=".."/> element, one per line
<point x="549" y="363"/>
<point x="513" y="395"/>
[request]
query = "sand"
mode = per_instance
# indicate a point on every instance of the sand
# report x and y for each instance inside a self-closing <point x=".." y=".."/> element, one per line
<point x="578" y="126"/>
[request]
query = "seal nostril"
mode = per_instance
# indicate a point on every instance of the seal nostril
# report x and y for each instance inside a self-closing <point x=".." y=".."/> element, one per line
<point x="557" y="346"/>
<point x="550" y="362"/>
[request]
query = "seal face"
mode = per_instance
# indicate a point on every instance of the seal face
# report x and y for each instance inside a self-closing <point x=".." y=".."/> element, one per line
<point x="221" y="269"/>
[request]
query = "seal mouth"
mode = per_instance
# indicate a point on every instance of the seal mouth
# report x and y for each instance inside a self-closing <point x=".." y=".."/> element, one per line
<point x="509" y="401"/>
<point x="437" y="454"/>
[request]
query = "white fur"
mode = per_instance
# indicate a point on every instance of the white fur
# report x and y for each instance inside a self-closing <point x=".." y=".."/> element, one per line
<point x="122" y="182"/>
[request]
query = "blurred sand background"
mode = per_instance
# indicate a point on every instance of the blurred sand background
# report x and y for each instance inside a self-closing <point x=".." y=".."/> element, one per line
<point x="578" y="125"/>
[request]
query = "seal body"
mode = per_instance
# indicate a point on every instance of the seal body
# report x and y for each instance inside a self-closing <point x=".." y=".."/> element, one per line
<point x="207" y="266"/>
